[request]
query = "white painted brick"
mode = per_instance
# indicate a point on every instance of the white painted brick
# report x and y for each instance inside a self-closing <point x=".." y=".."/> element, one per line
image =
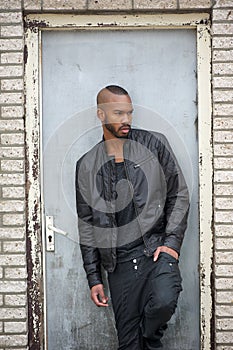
<point x="26" y="348"/>
<point x="1" y="272"/>
<point x="222" y="28"/>
<point x="11" y="97"/>
<point x="1" y="299"/>
<point x="15" y="273"/>
<point x="9" y="31"/>
<point x="15" y="327"/>
<point x="12" y="179"/>
<point x="224" y="243"/>
<point x="223" y="176"/>
<point x="222" y="3"/>
<point x="13" y="192"/>
<point x="11" y="152"/>
<point x="223" y="55"/>
<point x="223" y="203"/>
<point x="224" y="216"/>
<point x="223" y="95"/>
<point x="11" y="125"/>
<point x="1" y="327"/>
<point x="16" y="299"/>
<point x="65" y="5"/>
<point x="223" y="123"/>
<point x="222" y="68"/>
<point x="223" y="150"/>
<point x="224" y="337"/>
<point x="10" y="5"/>
<point x="222" y="42"/>
<point x="223" y="257"/>
<point x="223" y="136"/>
<point x="223" y="163"/>
<point x="13" y="286"/>
<point x="222" y="15"/>
<point x="12" y="233"/>
<point x="11" y="71"/>
<point x="155" y="4"/>
<point x="224" y="270"/>
<point x="222" y="82"/>
<point x="12" y="111"/>
<point x="219" y="347"/>
<point x="223" y="189"/>
<point x="223" y="230"/>
<point x="32" y="4"/>
<point x="11" y="44"/>
<point x="12" y="84"/>
<point x="14" y="247"/>
<point x="224" y="297"/>
<point x="13" y="340"/>
<point x="224" y="283"/>
<point x="188" y="4"/>
<point x="13" y="219"/>
<point x="223" y="109"/>
<point x="12" y="260"/>
<point x="11" y="205"/>
<point x="12" y="165"/>
<point x="11" y="57"/>
<point x="11" y="17"/>
<point x="12" y="139"/>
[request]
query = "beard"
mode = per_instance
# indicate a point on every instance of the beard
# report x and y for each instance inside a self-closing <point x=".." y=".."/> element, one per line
<point x="116" y="133"/>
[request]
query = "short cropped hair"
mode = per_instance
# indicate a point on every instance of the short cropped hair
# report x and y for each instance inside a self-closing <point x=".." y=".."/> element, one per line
<point x="117" y="90"/>
<point x="114" y="89"/>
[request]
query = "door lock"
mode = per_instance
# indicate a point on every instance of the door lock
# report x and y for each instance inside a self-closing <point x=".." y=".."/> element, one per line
<point x="50" y="229"/>
<point x="50" y="245"/>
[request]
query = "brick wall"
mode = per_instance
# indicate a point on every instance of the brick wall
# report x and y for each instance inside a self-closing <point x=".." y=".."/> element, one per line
<point x="13" y="297"/>
<point x="223" y="169"/>
<point x="13" y="293"/>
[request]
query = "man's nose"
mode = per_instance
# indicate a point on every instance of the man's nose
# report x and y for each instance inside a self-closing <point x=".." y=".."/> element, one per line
<point x="126" y="118"/>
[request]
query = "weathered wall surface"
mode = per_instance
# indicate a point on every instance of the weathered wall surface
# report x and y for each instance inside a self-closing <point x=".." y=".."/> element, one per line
<point x="223" y="169"/>
<point x="13" y="268"/>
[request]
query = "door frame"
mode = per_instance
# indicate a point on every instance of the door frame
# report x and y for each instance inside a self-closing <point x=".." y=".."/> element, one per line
<point x="34" y="25"/>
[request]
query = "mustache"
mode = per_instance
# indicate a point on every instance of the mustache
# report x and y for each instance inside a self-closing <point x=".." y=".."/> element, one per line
<point x="125" y="125"/>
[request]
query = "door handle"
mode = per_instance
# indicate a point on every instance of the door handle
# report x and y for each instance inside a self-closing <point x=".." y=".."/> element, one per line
<point x="57" y="230"/>
<point x="49" y="233"/>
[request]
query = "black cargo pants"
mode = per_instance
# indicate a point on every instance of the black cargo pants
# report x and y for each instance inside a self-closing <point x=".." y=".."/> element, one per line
<point x="144" y="296"/>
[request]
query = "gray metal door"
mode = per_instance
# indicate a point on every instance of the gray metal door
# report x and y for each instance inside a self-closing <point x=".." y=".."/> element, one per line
<point x="158" y="68"/>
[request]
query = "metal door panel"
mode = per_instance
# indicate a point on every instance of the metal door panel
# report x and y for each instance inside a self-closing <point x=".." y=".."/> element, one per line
<point x="158" y="68"/>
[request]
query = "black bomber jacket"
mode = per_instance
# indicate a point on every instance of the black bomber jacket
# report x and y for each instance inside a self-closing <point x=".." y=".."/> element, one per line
<point x="159" y="193"/>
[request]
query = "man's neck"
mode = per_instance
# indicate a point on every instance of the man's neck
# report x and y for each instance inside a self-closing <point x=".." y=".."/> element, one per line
<point x="114" y="146"/>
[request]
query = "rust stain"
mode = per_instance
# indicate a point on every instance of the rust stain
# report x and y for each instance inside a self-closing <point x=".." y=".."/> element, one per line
<point x="33" y="237"/>
<point x="25" y="55"/>
<point x="35" y="299"/>
<point x="101" y="24"/>
<point x="34" y="25"/>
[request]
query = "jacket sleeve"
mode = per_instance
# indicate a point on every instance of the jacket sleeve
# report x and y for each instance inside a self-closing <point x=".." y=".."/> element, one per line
<point x="90" y="253"/>
<point x="177" y="200"/>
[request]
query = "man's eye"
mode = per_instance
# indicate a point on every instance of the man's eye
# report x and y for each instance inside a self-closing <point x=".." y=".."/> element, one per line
<point x="118" y="113"/>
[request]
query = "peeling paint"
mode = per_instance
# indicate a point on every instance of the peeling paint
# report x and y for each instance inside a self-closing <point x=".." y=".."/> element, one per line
<point x="25" y="54"/>
<point x="34" y="25"/>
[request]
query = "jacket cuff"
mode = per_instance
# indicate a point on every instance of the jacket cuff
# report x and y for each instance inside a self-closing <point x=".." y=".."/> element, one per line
<point x="173" y="244"/>
<point x="93" y="280"/>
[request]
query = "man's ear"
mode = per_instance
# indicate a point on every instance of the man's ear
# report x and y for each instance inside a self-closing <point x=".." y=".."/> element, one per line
<point x="100" y="114"/>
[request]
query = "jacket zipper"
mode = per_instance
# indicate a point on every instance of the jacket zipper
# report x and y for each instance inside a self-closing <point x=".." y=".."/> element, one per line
<point x="146" y="250"/>
<point x="142" y="162"/>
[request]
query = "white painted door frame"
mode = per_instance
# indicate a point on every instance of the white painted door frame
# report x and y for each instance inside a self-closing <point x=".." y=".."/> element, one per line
<point x="34" y="25"/>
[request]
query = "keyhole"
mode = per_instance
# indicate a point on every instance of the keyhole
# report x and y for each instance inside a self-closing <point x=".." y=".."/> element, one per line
<point x="50" y="238"/>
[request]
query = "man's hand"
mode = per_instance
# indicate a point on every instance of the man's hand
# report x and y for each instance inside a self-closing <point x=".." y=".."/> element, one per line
<point x="165" y="249"/>
<point x="98" y="296"/>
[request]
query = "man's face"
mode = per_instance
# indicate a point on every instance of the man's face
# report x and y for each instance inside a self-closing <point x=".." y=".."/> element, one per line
<point x="117" y="115"/>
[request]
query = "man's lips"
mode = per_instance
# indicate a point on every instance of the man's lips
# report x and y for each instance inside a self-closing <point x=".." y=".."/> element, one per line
<point x="125" y="129"/>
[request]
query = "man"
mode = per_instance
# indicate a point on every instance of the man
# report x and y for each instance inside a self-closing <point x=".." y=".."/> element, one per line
<point x="132" y="204"/>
